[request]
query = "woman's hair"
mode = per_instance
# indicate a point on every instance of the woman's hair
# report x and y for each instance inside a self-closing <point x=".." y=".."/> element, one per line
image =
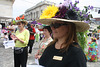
<point x="5" y="33"/>
<point x="37" y="26"/>
<point x="48" y="28"/>
<point x="70" y="38"/>
<point x="33" y="25"/>
<point x="28" y="25"/>
<point x="23" y="22"/>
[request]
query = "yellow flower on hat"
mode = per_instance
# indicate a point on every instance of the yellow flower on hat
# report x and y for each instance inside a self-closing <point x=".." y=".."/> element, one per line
<point x="49" y="12"/>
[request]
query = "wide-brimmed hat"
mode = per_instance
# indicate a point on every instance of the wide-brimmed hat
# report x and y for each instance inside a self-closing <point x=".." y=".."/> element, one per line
<point x="81" y="26"/>
<point x="63" y="14"/>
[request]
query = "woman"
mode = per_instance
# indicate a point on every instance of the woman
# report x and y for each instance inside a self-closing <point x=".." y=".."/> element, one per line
<point x="44" y="42"/>
<point x="92" y="54"/>
<point x="21" y="39"/>
<point x="64" y="51"/>
<point x="11" y="30"/>
<point x="5" y="36"/>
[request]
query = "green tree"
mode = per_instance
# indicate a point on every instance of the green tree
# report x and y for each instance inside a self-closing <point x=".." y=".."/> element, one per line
<point x="98" y="27"/>
<point x="82" y="39"/>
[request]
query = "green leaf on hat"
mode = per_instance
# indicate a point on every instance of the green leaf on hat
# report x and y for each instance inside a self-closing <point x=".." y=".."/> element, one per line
<point x="14" y="22"/>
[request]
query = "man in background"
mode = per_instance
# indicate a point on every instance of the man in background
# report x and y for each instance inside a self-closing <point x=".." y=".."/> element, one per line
<point x="32" y="38"/>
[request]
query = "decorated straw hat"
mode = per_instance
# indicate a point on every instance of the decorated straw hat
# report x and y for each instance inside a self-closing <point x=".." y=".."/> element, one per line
<point x="21" y="19"/>
<point x="67" y="14"/>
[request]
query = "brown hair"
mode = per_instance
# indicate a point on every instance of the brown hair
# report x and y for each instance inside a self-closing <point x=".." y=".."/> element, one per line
<point x="71" y="36"/>
<point x="23" y="22"/>
<point x="48" y="28"/>
<point x="32" y="25"/>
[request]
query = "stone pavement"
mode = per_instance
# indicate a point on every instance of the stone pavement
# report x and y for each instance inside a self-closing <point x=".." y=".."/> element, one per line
<point x="6" y="57"/>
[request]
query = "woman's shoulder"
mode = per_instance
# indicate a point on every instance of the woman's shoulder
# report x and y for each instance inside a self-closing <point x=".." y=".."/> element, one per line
<point x="26" y="30"/>
<point x="75" y="48"/>
<point x="51" y="47"/>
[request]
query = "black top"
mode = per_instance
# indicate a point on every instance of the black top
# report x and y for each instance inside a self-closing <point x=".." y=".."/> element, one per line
<point x="74" y="57"/>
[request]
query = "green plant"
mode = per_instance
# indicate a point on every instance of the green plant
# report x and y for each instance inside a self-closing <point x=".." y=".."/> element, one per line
<point x="82" y="39"/>
<point x="98" y="27"/>
<point x="83" y="15"/>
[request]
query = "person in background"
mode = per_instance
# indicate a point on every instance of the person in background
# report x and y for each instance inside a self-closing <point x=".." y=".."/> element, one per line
<point x="90" y="33"/>
<point x="0" y="30"/>
<point x="64" y="50"/>
<point x="41" y="32"/>
<point x="32" y="25"/>
<point x="5" y="36"/>
<point x="37" y="33"/>
<point x="92" y="54"/>
<point x="21" y="38"/>
<point x="41" y="35"/>
<point x="11" y="29"/>
<point x="44" y="42"/>
<point x="32" y="38"/>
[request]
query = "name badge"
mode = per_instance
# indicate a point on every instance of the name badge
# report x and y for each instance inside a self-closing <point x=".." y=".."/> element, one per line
<point x="57" y="58"/>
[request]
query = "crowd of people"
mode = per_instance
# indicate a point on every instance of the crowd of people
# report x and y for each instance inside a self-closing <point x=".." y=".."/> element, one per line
<point x="12" y="28"/>
<point x="25" y="43"/>
<point x="24" y="34"/>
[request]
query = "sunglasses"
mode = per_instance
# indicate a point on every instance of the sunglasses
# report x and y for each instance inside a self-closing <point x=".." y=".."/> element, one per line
<point x="57" y="25"/>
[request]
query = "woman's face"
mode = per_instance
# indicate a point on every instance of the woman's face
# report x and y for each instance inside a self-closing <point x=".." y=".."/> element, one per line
<point x="20" y="25"/>
<point x="46" y="32"/>
<point x="59" y="29"/>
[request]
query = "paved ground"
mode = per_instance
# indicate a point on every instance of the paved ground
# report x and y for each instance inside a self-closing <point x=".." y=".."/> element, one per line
<point x="6" y="57"/>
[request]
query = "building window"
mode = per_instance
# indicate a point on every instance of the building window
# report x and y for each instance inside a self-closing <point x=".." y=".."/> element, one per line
<point x="41" y="11"/>
<point x="37" y="14"/>
<point x="34" y="15"/>
<point x="95" y="9"/>
<point x="98" y="11"/>
<point x="31" y="15"/>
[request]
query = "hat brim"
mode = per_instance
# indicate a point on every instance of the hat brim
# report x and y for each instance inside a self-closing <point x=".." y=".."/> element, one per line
<point x="81" y="26"/>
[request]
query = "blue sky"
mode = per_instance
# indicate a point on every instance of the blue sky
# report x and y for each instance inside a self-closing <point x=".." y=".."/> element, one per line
<point x="20" y="6"/>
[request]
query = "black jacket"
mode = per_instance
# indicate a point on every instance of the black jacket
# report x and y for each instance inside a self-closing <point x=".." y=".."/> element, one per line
<point x="74" y="57"/>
